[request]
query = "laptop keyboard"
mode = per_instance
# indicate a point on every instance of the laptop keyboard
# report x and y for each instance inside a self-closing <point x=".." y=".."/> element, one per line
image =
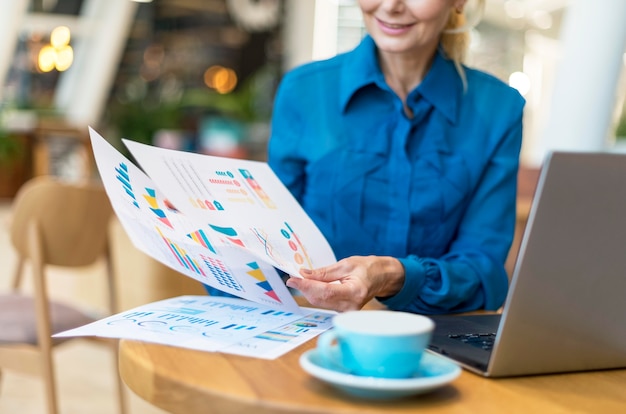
<point x="479" y="340"/>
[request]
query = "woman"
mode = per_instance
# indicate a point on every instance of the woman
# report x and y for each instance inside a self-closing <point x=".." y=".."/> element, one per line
<point x="406" y="161"/>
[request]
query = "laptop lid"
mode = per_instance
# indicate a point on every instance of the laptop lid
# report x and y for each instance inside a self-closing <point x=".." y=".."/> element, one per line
<point x="565" y="310"/>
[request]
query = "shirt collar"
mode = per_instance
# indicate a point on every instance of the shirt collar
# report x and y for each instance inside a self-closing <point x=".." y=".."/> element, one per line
<point x="359" y="70"/>
<point x="442" y="86"/>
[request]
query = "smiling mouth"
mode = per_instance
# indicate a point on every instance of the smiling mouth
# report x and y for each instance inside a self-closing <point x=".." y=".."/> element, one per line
<point x="394" y="26"/>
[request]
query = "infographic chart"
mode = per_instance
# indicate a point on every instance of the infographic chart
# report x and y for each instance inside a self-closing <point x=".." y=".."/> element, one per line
<point x="205" y="249"/>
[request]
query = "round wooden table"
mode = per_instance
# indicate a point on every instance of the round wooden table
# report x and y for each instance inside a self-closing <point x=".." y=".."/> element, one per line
<point x="184" y="381"/>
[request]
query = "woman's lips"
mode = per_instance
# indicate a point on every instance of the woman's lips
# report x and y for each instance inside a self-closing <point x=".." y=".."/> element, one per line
<point x="393" y="29"/>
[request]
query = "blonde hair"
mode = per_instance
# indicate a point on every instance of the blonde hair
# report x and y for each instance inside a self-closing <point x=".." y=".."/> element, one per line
<point x="455" y="38"/>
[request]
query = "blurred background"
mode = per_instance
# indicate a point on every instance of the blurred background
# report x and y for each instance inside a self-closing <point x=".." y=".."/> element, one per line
<point x="200" y="75"/>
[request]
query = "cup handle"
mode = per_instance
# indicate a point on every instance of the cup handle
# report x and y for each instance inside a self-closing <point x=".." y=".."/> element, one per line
<point x="327" y="350"/>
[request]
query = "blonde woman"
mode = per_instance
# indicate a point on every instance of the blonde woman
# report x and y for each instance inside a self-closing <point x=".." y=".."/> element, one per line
<point x="406" y="160"/>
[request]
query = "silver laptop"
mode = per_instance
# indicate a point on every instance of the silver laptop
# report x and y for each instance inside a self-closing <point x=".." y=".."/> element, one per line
<point x="566" y="307"/>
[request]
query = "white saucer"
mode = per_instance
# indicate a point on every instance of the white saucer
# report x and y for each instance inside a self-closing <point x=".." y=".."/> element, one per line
<point x="434" y="372"/>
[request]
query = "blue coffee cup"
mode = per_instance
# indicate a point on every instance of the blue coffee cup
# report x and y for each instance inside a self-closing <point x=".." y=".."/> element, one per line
<point x="376" y="343"/>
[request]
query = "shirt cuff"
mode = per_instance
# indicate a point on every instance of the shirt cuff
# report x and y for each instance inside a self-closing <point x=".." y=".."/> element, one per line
<point x="414" y="279"/>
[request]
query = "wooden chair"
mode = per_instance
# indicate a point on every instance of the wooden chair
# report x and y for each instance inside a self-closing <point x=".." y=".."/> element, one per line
<point x="53" y="223"/>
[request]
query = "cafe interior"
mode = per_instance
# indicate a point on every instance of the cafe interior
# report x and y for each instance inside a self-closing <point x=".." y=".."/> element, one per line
<point x="200" y="76"/>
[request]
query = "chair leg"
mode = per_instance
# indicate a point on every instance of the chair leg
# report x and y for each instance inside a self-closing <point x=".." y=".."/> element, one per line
<point x="50" y="383"/>
<point x="121" y="388"/>
<point x="17" y="275"/>
<point x="42" y="310"/>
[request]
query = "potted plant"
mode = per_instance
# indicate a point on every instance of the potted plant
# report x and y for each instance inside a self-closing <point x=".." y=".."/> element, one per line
<point x="620" y="135"/>
<point x="620" y="131"/>
<point x="12" y="163"/>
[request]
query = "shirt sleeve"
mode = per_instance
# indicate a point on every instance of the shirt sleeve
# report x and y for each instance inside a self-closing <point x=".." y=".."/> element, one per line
<point x="471" y="275"/>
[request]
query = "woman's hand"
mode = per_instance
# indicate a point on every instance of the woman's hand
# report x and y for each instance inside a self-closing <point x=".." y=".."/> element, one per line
<point x="350" y="283"/>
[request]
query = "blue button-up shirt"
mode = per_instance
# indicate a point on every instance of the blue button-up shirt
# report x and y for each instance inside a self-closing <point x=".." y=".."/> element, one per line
<point x="436" y="190"/>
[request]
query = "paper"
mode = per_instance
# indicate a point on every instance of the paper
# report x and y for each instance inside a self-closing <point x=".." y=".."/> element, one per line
<point x="227" y="223"/>
<point x="243" y="203"/>
<point x="209" y="323"/>
<point x="224" y="222"/>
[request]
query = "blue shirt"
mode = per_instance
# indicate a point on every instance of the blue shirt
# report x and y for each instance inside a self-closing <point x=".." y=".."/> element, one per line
<point x="437" y="191"/>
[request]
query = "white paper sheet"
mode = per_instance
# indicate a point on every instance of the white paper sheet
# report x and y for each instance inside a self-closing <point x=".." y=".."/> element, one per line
<point x="190" y="246"/>
<point x="209" y="323"/>
<point x="242" y="201"/>
<point x="227" y="223"/>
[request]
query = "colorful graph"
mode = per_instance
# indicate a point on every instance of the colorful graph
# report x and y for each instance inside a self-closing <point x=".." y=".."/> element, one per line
<point x="184" y="310"/>
<point x="262" y="237"/>
<point x="262" y="282"/>
<point x="276" y="336"/>
<point x="221" y="273"/>
<point x="276" y="313"/>
<point x="237" y="327"/>
<point x="150" y="197"/>
<point x="300" y="254"/>
<point x="124" y="178"/>
<point x="206" y="204"/>
<point x="230" y="234"/>
<point x="170" y="206"/>
<point x="200" y="237"/>
<point x="181" y="255"/>
<point x="256" y="187"/>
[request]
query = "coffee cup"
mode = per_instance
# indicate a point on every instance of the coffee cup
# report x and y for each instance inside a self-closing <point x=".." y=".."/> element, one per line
<point x="376" y="343"/>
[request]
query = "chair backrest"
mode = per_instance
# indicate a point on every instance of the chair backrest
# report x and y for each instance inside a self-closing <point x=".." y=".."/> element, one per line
<point x="73" y="219"/>
<point x="58" y="223"/>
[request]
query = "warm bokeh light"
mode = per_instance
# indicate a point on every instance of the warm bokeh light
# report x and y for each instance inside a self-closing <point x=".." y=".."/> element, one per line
<point x="520" y="81"/>
<point x="46" y="60"/>
<point x="223" y="80"/>
<point x="152" y="60"/>
<point x="64" y="58"/>
<point x="514" y="9"/>
<point x="58" y="54"/>
<point x="60" y="37"/>
<point x="154" y="54"/>
<point x="542" y="19"/>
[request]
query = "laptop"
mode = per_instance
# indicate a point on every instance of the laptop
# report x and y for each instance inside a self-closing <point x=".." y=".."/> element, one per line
<point x="566" y="306"/>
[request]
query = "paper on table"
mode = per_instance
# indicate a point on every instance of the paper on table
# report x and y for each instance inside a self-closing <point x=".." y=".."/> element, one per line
<point x="209" y="323"/>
